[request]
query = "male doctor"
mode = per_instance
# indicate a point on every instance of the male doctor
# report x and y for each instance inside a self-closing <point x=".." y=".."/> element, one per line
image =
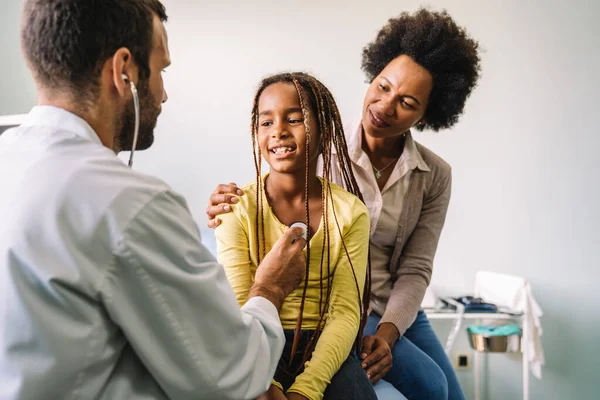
<point x="105" y="289"/>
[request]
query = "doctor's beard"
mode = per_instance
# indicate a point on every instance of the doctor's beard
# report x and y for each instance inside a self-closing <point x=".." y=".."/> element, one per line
<point x="149" y="112"/>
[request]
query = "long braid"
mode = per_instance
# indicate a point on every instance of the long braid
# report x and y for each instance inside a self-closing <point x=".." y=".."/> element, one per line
<point x="345" y="165"/>
<point x="260" y="220"/>
<point x="306" y="198"/>
<point x="325" y="139"/>
<point x="256" y="157"/>
<point x="332" y="132"/>
<point x="324" y="142"/>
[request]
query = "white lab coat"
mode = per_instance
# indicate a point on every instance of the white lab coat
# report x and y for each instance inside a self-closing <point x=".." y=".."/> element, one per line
<point x="105" y="289"/>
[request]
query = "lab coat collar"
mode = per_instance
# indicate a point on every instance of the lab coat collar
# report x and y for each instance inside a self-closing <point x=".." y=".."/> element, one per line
<point x="60" y="118"/>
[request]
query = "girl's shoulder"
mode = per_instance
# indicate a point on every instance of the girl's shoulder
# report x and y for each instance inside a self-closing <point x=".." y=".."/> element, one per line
<point x="250" y="187"/>
<point x="349" y="205"/>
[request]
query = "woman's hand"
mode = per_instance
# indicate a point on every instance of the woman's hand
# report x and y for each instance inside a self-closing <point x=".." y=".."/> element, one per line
<point x="377" y="357"/>
<point x="388" y="332"/>
<point x="219" y="202"/>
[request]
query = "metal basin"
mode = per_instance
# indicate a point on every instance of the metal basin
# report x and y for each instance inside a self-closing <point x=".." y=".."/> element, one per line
<point x="495" y="344"/>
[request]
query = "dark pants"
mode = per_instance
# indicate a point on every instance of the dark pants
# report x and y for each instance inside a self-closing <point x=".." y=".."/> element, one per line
<point x="421" y="370"/>
<point x="349" y="383"/>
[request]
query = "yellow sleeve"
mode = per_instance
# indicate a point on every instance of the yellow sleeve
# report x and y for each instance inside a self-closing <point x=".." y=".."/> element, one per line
<point x="234" y="255"/>
<point x="341" y="328"/>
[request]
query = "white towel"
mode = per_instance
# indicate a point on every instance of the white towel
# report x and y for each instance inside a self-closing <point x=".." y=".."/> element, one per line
<point x="515" y="293"/>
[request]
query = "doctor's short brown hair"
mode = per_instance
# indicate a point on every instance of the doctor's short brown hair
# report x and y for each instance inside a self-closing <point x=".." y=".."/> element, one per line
<point x="66" y="42"/>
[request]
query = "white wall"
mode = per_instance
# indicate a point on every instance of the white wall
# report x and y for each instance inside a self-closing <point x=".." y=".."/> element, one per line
<point x="525" y="191"/>
<point x="17" y="91"/>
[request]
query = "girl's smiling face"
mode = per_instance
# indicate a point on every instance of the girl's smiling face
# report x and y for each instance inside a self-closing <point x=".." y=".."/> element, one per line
<point x="281" y="131"/>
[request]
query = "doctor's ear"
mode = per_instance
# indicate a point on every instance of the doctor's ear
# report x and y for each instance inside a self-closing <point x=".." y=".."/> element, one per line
<point x="123" y="70"/>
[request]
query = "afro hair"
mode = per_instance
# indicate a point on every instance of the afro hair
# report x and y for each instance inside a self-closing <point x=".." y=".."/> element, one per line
<point x="434" y="41"/>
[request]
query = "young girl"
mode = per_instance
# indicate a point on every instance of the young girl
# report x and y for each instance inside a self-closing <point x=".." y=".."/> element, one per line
<point x="294" y="120"/>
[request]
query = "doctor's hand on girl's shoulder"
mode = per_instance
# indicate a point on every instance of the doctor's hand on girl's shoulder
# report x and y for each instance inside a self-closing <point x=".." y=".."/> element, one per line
<point x="219" y="202"/>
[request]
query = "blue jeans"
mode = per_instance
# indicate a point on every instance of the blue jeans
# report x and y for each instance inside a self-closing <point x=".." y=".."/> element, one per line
<point x="350" y="382"/>
<point x="421" y="370"/>
<point x="385" y="391"/>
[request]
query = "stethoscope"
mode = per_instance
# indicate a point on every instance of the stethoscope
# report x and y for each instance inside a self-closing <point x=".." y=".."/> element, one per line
<point x="136" y="104"/>
<point x="304" y="228"/>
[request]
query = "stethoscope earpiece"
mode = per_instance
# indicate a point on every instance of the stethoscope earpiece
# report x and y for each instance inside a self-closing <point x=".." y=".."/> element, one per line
<point x="136" y="104"/>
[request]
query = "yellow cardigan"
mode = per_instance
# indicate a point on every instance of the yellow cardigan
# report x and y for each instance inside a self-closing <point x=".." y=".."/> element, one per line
<point x="237" y="252"/>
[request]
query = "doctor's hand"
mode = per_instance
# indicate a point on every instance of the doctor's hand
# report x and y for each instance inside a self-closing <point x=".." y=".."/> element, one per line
<point x="219" y="202"/>
<point x="282" y="269"/>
